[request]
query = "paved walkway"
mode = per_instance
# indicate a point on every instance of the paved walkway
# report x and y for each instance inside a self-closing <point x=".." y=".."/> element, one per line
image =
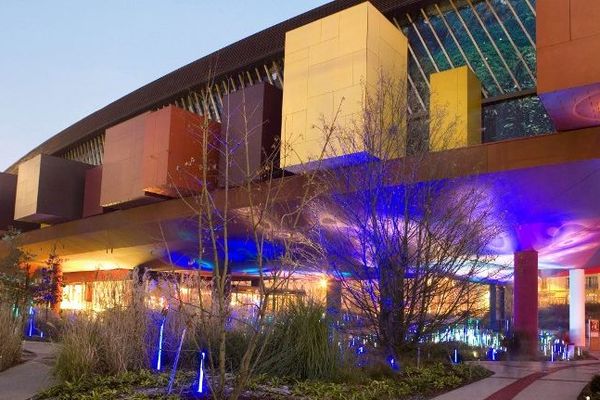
<point x="26" y="379"/>
<point x="523" y="380"/>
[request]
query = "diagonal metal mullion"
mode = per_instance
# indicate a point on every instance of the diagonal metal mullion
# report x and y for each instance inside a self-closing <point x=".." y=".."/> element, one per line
<point x="268" y="74"/>
<point x="462" y="21"/>
<point x="515" y="47"/>
<point x="512" y="10"/>
<point x="530" y="7"/>
<point x="412" y="53"/>
<point x="508" y="69"/>
<point x="412" y="84"/>
<point x="423" y="74"/>
<point x="457" y="43"/>
<point x="437" y="69"/>
<point x="435" y="35"/>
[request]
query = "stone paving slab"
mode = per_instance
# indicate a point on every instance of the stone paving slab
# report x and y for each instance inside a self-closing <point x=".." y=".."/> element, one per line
<point x="28" y="378"/>
<point x="477" y="390"/>
<point x="529" y="381"/>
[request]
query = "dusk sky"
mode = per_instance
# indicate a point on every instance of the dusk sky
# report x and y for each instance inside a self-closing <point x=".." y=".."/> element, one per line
<point x="62" y="60"/>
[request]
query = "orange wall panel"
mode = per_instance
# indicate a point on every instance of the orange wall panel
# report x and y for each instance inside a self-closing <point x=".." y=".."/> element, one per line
<point x="155" y="155"/>
<point x="551" y="25"/>
<point x="568" y="61"/>
<point x="585" y="18"/>
<point x="121" y="172"/>
<point x="173" y="149"/>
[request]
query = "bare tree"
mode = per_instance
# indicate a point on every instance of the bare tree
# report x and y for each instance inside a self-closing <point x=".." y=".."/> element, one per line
<point x="20" y="282"/>
<point x="264" y="213"/>
<point x="406" y="240"/>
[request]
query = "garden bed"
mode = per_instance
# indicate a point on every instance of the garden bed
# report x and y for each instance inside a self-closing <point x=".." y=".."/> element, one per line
<point x="412" y="383"/>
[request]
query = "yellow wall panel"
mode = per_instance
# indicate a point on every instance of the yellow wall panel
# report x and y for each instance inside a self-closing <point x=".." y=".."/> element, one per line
<point x="339" y="56"/>
<point x="455" y="109"/>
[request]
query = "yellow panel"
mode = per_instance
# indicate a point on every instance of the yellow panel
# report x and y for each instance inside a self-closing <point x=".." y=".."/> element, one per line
<point x="353" y="48"/>
<point x="455" y="109"/>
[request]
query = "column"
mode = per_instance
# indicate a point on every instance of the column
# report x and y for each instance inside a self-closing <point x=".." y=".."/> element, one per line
<point x="577" y="306"/>
<point x="493" y="307"/>
<point x="502" y="307"/>
<point x="333" y="297"/>
<point x="525" y="301"/>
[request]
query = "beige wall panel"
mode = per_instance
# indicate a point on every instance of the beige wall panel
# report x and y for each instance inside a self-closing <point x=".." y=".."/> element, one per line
<point x="335" y="58"/>
<point x="28" y="179"/>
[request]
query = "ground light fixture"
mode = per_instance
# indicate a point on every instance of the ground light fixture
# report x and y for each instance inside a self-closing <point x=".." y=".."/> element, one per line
<point x="200" y="389"/>
<point x="161" y="331"/>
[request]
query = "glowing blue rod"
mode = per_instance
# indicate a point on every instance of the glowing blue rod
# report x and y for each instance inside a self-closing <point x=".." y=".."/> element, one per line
<point x="201" y="374"/>
<point x="160" y="344"/>
<point x="30" y="332"/>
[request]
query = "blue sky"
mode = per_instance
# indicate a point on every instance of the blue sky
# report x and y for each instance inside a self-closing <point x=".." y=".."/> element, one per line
<point x="61" y="60"/>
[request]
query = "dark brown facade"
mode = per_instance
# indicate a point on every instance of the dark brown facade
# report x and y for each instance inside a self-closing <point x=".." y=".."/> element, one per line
<point x="8" y="191"/>
<point x="50" y="190"/>
<point x="91" y="197"/>
<point x="251" y="132"/>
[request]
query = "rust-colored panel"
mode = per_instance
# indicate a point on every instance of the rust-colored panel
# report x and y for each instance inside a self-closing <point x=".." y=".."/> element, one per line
<point x="121" y="172"/>
<point x="552" y="23"/>
<point x="568" y="61"/>
<point x="91" y="196"/>
<point x="585" y="18"/>
<point x="172" y="152"/>
<point x="50" y="190"/>
<point x="568" y="65"/>
<point x="155" y="155"/>
<point x="252" y="120"/>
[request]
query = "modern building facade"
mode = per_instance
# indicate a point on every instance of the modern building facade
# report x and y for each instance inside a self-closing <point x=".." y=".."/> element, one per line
<point x="521" y="77"/>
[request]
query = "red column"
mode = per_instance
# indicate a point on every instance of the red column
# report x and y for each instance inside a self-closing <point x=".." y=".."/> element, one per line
<point x="526" y="301"/>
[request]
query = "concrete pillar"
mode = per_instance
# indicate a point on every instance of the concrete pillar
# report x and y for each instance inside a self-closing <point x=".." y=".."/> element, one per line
<point x="577" y="306"/>
<point x="525" y="301"/>
<point x="493" y="307"/>
<point x="502" y="303"/>
<point x="333" y="297"/>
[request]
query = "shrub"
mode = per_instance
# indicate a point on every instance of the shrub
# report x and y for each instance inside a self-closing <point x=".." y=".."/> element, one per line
<point x="592" y="390"/>
<point x="112" y="342"/>
<point x="10" y="338"/>
<point x="299" y="344"/>
<point x="130" y="385"/>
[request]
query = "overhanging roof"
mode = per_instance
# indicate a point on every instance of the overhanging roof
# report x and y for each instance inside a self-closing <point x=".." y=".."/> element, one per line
<point x="265" y="45"/>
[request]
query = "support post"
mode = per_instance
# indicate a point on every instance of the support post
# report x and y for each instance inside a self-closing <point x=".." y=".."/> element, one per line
<point x="333" y="298"/>
<point x="577" y="307"/>
<point x="526" y="301"/>
<point x="502" y="304"/>
<point x="493" y="307"/>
